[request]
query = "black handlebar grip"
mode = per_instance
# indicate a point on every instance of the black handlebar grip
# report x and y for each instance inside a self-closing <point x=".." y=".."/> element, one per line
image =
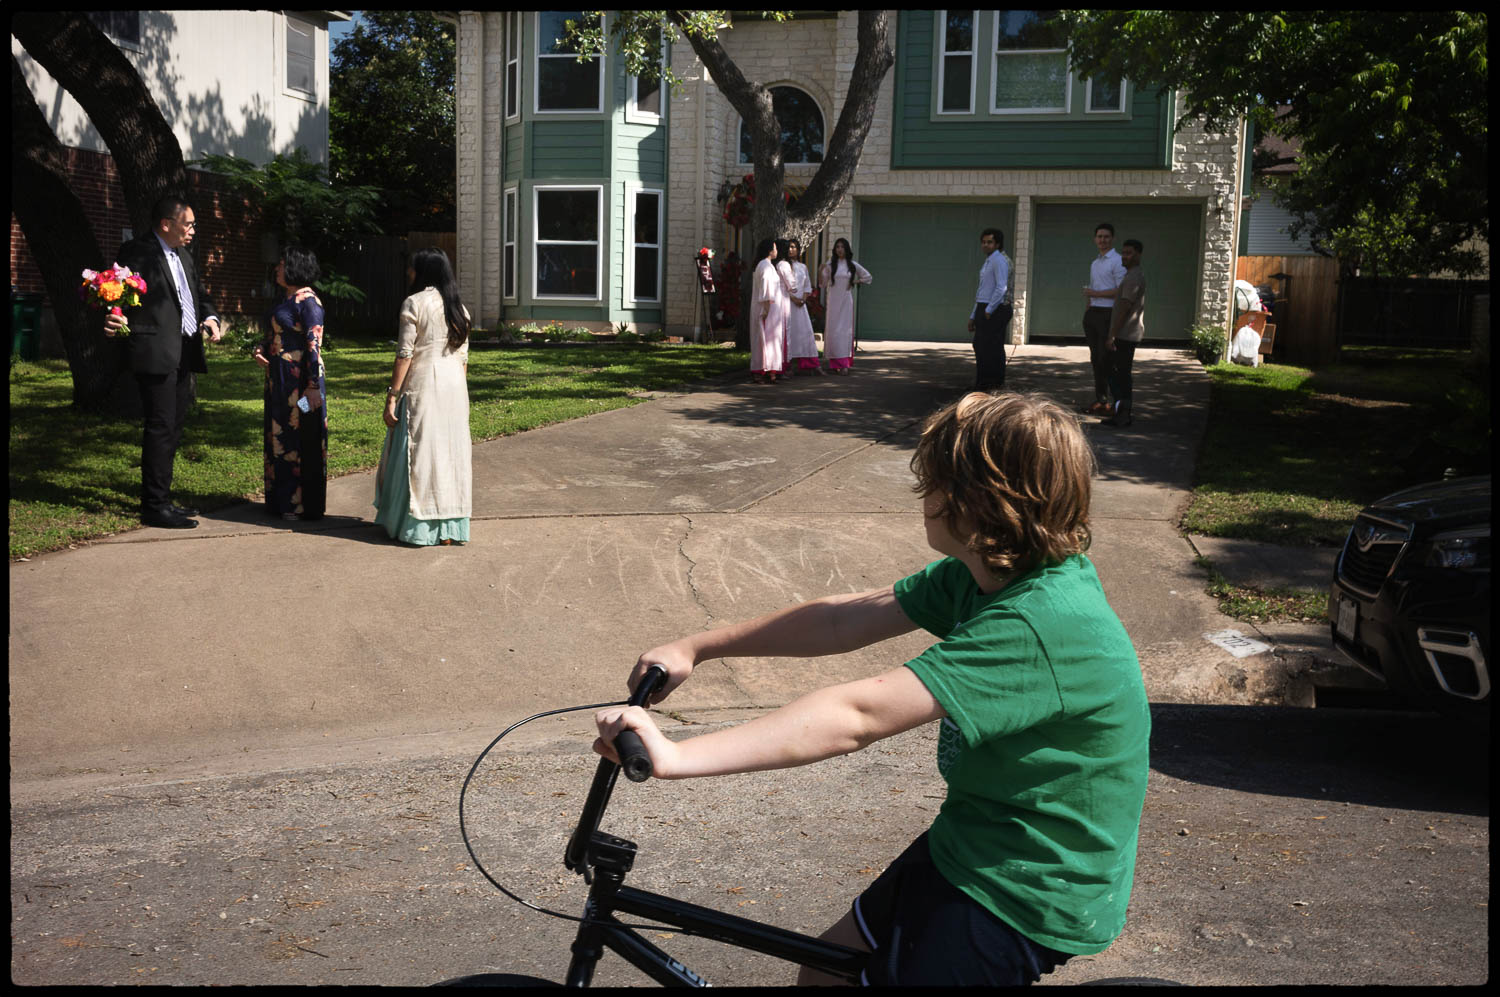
<point x="633" y="757"/>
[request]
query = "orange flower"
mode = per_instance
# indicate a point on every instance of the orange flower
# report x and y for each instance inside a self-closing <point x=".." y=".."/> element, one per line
<point x="111" y="290"/>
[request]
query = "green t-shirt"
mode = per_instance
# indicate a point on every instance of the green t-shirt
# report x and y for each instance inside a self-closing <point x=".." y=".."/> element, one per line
<point x="1045" y="747"/>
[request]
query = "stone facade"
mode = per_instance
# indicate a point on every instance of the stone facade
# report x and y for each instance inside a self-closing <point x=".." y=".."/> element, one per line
<point x="479" y="79"/>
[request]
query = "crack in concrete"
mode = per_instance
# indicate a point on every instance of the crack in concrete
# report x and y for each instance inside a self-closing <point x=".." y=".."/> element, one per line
<point x="692" y="566"/>
<point x="734" y="679"/>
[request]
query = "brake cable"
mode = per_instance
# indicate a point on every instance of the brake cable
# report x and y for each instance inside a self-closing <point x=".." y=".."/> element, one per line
<point x="463" y="832"/>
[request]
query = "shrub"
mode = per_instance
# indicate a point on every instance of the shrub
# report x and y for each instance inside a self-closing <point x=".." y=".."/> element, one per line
<point x="1208" y="343"/>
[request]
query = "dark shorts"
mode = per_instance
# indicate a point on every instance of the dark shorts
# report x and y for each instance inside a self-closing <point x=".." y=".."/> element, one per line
<point x="925" y="932"/>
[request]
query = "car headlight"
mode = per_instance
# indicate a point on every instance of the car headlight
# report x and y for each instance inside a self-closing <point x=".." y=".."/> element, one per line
<point x="1465" y="550"/>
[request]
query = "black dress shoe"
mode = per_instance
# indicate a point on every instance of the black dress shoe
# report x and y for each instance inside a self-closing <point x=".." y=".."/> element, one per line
<point x="167" y="519"/>
<point x="184" y="510"/>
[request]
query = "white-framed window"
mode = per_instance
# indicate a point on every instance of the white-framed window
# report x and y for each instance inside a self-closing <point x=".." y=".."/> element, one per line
<point x="801" y="127"/>
<point x="956" y="62"/>
<point x="643" y="265"/>
<point x="512" y="65"/>
<point x="563" y="84"/>
<point x="301" y="57"/>
<point x="567" y="222"/>
<point x="1030" y="65"/>
<point x="1105" y="96"/>
<point x="645" y="103"/>
<point x="511" y="223"/>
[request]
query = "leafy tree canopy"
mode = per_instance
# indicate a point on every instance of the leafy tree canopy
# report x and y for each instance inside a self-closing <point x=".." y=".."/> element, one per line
<point x="1390" y="109"/>
<point x="391" y="116"/>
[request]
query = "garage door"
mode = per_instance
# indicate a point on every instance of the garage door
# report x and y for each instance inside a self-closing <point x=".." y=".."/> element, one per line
<point x="924" y="260"/>
<point x="1065" y="248"/>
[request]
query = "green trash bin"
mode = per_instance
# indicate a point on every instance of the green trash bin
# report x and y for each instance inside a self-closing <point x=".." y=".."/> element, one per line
<point x="25" y="325"/>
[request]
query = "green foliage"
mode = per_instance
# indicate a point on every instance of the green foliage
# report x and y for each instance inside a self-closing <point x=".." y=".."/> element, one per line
<point x="1390" y="109"/>
<point x="391" y="119"/>
<point x="639" y="35"/>
<point x="1208" y="342"/>
<point x="304" y="209"/>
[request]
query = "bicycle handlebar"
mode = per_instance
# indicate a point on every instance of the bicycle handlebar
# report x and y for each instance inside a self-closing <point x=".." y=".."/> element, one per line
<point x="633" y="759"/>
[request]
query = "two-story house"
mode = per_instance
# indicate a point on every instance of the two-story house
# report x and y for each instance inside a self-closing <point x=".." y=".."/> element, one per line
<point x="247" y="83"/>
<point x="584" y="194"/>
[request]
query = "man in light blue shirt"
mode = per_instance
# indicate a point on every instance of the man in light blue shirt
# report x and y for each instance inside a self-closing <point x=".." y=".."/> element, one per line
<point x="991" y="316"/>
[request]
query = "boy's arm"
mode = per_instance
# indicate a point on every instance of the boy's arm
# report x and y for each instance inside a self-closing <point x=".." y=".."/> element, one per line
<point x="831" y="625"/>
<point x="837" y="720"/>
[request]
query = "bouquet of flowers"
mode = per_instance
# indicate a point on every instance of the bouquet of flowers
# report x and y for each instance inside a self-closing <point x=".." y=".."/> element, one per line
<point x="705" y="253"/>
<point x="116" y="288"/>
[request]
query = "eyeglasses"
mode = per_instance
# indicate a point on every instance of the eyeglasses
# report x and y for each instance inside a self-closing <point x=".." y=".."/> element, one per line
<point x="191" y="225"/>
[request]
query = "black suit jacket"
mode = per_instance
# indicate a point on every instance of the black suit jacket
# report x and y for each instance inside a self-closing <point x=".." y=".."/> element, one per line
<point x="156" y="342"/>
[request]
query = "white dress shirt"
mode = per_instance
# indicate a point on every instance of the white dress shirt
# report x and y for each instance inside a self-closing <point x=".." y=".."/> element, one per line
<point x="1105" y="274"/>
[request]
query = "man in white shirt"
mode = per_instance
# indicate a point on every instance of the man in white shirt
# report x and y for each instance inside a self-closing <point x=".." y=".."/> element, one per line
<point x="1105" y="274"/>
<point x="991" y="315"/>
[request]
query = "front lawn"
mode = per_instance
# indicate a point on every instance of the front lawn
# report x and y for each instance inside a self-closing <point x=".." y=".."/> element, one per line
<point x="75" y="476"/>
<point x="1292" y="454"/>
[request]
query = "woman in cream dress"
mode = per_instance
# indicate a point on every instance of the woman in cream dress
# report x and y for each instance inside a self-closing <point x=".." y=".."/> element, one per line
<point x="838" y="276"/>
<point x="802" y="344"/>
<point x="769" y="305"/>
<point x="423" y="486"/>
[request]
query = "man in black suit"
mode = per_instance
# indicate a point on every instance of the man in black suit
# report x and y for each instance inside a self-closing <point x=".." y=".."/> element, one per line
<point x="166" y="349"/>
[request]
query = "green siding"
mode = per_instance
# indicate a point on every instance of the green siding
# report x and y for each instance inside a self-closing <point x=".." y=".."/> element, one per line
<point x="514" y="144"/>
<point x="557" y="150"/>
<point x="924" y="262"/>
<point x="1064" y="248"/>
<point x="983" y="142"/>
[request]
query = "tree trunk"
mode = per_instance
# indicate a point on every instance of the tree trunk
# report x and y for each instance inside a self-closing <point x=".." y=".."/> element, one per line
<point x="62" y="242"/>
<point x="96" y="73"/>
<point x="841" y="152"/>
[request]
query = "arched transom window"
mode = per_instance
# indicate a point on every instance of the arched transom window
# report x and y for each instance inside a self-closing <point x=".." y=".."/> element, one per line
<point x="801" y="127"/>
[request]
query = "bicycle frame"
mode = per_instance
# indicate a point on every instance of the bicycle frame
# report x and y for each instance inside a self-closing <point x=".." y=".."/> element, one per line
<point x="603" y="860"/>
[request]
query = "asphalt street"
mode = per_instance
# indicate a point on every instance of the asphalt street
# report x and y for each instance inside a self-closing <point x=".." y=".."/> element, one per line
<point x="236" y="751"/>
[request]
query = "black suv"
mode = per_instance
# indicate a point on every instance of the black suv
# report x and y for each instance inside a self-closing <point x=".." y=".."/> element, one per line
<point x="1410" y="601"/>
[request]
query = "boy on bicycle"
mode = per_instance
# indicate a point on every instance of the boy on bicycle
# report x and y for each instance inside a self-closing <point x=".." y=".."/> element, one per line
<point x="1044" y="720"/>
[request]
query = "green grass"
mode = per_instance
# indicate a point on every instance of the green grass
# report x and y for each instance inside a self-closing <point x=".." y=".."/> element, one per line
<point x="1256" y="605"/>
<point x="1292" y="454"/>
<point x="75" y="476"/>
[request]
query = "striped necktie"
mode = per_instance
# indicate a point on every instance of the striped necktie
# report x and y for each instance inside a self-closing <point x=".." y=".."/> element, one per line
<point x="184" y="296"/>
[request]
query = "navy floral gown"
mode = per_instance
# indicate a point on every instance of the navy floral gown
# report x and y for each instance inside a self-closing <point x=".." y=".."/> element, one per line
<point x="296" y="441"/>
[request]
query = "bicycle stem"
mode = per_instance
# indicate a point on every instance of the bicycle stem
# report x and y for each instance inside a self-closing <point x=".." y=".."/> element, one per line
<point x="575" y="857"/>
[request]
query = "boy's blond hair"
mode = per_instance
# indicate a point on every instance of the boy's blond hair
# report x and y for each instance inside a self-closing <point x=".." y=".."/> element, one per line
<point x="1013" y="474"/>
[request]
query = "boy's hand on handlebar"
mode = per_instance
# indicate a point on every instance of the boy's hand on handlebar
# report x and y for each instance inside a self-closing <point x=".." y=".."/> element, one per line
<point x="614" y="719"/>
<point x="675" y="659"/>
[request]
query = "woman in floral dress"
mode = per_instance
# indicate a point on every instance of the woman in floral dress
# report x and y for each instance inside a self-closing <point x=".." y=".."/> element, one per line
<point x="296" y="412"/>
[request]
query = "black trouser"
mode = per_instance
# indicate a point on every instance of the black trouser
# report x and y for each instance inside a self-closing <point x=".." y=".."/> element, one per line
<point x="164" y="401"/>
<point x="1096" y="333"/>
<point x="989" y="346"/>
<point x="1120" y="386"/>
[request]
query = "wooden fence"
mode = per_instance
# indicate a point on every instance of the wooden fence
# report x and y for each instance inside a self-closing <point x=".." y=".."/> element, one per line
<point x="377" y="266"/>
<point x="1306" y="315"/>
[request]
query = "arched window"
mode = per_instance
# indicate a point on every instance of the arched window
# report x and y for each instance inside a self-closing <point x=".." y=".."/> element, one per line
<point x="801" y="127"/>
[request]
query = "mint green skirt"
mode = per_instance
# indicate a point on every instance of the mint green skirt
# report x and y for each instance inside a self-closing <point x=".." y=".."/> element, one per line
<point x="393" y="497"/>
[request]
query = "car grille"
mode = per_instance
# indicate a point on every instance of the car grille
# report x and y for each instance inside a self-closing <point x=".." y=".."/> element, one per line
<point x="1370" y="552"/>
